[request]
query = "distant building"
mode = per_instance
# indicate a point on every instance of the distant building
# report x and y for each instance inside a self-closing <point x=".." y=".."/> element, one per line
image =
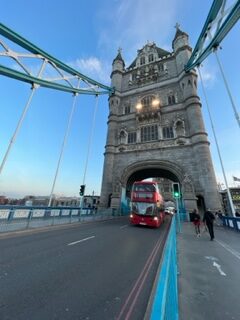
<point x="235" y="194"/>
<point x="29" y="201"/>
<point x="65" y="202"/>
<point x="91" y="201"/>
<point x="3" y="200"/>
<point x="165" y="187"/>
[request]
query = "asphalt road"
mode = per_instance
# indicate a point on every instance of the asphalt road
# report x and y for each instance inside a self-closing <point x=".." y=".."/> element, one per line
<point x="100" y="270"/>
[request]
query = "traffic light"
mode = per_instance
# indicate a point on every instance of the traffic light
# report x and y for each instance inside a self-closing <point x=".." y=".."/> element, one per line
<point x="82" y="189"/>
<point x="176" y="190"/>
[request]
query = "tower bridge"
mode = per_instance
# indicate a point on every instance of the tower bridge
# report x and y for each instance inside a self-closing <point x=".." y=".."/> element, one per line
<point x="105" y="268"/>
<point x="156" y="129"/>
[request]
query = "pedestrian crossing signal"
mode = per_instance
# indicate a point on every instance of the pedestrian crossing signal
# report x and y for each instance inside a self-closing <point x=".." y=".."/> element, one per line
<point x="82" y="189"/>
<point x="176" y="190"/>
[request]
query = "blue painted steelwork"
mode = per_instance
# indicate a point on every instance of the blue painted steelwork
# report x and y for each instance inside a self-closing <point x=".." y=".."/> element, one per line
<point x="219" y="22"/>
<point x="165" y="304"/>
<point x="231" y="222"/>
<point x="94" y="87"/>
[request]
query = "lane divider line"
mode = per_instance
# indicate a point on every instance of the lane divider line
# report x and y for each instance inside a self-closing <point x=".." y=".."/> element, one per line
<point x="228" y="248"/>
<point x="82" y="240"/>
<point x="126" y="225"/>
<point x="128" y="315"/>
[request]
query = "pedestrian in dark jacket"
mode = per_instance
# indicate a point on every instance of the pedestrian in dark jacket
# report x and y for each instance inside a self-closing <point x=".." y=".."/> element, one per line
<point x="208" y="218"/>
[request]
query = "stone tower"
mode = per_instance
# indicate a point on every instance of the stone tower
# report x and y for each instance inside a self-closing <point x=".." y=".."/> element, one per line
<point x="156" y="129"/>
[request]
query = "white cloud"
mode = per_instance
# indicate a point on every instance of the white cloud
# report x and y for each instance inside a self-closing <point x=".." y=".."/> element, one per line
<point x="136" y="22"/>
<point x="94" y="68"/>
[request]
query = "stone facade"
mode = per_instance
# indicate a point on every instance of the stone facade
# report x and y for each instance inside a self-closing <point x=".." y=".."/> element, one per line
<point x="155" y="128"/>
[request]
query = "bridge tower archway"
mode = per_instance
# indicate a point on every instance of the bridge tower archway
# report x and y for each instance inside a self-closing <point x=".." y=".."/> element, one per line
<point x="157" y="170"/>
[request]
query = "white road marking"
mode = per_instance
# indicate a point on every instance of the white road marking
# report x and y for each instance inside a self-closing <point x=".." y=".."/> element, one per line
<point x="215" y="264"/>
<point x="126" y="225"/>
<point x="72" y="243"/>
<point x="211" y="258"/>
<point x="228" y="248"/>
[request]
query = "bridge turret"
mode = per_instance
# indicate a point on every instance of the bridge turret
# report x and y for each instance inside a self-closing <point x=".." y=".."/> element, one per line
<point x="181" y="48"/>
<point x="118" y="66"/>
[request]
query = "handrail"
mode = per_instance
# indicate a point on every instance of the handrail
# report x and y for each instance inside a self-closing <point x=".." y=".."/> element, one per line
<point x="165" y="303"/>
<point x="231" y="222"/>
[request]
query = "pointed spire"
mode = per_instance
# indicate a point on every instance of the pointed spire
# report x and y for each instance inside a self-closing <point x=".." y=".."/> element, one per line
<point x="179" y="32"/>
<point x="119" y="56"/>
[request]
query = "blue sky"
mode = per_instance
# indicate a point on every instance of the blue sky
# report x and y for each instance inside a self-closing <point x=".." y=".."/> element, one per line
<point x="86" y="35"/>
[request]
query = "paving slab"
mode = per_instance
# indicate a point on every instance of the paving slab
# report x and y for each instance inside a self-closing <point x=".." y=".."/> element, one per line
<point x="209" y="274"/>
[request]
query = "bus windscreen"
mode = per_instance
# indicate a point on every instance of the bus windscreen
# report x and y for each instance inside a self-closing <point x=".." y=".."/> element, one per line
<point x="143" y="208"/>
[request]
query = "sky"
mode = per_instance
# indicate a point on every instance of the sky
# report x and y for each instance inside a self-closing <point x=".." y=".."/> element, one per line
<point x="86" y="35"/>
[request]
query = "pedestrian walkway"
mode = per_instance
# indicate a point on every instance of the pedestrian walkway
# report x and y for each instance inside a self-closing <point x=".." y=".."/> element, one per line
<point x="209" y="274"/>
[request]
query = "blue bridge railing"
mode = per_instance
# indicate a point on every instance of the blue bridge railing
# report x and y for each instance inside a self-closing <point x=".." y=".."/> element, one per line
<point x="231" y="222"/>
<point x="20" y="217"/>
<point x="165" y="303"/>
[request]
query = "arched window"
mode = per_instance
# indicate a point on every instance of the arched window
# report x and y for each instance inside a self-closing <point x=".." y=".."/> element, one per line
<point x="171" y="99"/>
<point x="147" y="101"/>
<point x="150" y="58"/>
<point x="127" y="110"/>
<point x="142" y="60"/>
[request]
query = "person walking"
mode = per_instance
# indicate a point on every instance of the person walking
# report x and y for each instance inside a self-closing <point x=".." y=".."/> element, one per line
<point x="208" y="219"/>
<point x="196" y="221"/>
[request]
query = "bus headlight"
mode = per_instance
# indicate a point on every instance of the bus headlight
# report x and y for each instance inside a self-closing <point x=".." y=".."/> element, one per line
<point x="131" y="216"/>
<point x="155" y="218"/>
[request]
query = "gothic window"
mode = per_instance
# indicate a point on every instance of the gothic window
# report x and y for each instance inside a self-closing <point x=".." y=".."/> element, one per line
<point x="171" y="99"/>
<point x="142" y="71"/>
<point x="160" y="67"/>
<point x="150" y="57"/>
<point x="142" y="60"/>
<point x="134" y="75"/>
<point x="149" y="133"/>
<point x="168" y="133"/>
<point x="132" y="137"/>
<point x="147" y="101"/>
<point x="127" y="110"/>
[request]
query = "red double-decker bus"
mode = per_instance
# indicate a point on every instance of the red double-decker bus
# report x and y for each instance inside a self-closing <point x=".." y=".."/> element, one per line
<point x="147" y="204"/>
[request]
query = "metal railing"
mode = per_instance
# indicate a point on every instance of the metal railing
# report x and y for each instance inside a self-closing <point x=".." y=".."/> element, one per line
<point x="231" y="222"/>
<point x="165" y="303"/>
<point x="14" y="218"/>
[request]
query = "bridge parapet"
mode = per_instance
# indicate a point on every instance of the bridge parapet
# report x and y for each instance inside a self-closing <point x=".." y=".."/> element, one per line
<point x="231" y="222"/>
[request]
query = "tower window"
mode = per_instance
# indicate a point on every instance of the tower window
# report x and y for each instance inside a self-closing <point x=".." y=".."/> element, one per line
<point x="149" y="133"/>
<point x="171" y="99"/>
<point x="168" y="133"/>
<point x="132" y="137"/>
<point x="160" y="67"/>
<point x="147" y="101"/>
<point x="127" y="110"/>
<point x="142" y="60"/>
<point x="150" y="57"/>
